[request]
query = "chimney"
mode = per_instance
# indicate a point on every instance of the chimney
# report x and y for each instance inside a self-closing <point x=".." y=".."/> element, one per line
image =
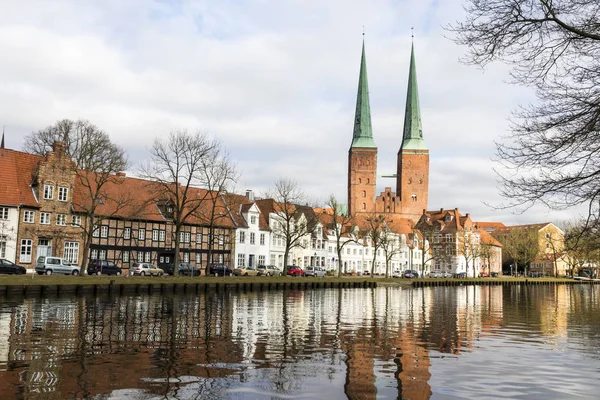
<point x="250" y="194"/>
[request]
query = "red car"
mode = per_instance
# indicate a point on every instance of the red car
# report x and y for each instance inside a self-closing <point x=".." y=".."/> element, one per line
<point x="293" y="270"/>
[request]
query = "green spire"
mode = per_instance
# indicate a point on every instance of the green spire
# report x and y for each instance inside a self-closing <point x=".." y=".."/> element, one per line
<point x="413" y="131"/>
<point x="363" y="133"/>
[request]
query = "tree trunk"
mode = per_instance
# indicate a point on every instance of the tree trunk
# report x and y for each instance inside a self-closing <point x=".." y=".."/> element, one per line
<point x="176" y="257"/>
<point x="340" y="263"/>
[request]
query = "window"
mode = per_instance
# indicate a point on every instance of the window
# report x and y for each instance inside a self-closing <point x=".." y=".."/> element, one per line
<point x="2" y="246"/>
<point x="161" y="235"/>
<point x="547" y="236"/>
<point x="44" y="218"/>
<point x="414" y="197"/>
<point x="221" y="240"/>
<point x="63" y="193"/>
<point x="187" y="237"/>
<point x="96" y="231"/>
<point x="48" y="192"/>
<point x="261" y="260"/>
<point x="262" y="239"/>
<point x="199" y="238"/>
<point x="186" y="257"/>
<point x="94" y="254"/>
<point x="148" y="256"/>
<point x="125" y="256"/>
<point x="76" y="220"/>
<point x="102" y="255"/>
<point x="252" y="235"/>
<point x="126" y="233"/>
<point x="104" y="231"/>
<point x="25" y="253"/>
<point x="61" y="219"/>
<point x="155" y="235"/>
<point x="198" y="258"/>
<point x="241" y="260"/>
<point x="364" y="193"/>
<point x="71" y="253"/>
<point x="242" y="237"/>
<point x="141" y="234"/>
<point x="253" y="219"/>
<point x="3" y="212"/>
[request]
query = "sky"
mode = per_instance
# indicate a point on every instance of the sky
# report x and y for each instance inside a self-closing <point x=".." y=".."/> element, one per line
<point x="274" y="80"/>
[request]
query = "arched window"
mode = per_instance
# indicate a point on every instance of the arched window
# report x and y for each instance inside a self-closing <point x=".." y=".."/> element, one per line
<point x="364" y="206"/>
<point x="364" y="193"/>
<point x="414" y="197"/>
<point x="368" y="181"/>
<point x="359" y="180"/>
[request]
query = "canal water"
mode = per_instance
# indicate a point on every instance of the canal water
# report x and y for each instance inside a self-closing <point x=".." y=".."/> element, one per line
<point x="469" y="342"/>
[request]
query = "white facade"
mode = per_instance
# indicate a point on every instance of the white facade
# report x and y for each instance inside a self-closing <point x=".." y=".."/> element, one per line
<point x="9" y="224"/>
<point x="251" y="243"/>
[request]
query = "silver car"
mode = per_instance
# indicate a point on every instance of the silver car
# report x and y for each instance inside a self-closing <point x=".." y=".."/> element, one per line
<point x="55" y="265"/>
<point x="317" y="272"/>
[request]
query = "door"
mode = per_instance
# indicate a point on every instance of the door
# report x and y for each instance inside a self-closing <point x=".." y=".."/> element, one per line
<point x="44" y="248"/>
<point x="165" y="259"/>
<point x="251" y="258"/>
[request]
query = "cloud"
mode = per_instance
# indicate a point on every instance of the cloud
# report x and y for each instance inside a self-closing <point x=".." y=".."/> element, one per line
<point x="275" y="81"/>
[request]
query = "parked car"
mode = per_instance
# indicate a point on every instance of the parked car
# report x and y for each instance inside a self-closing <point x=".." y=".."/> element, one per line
<point x="55" y="265"/>
<point x="396" y="273"/>
<point x="366" y="272"/>
<point x="446" y="275"/>
<point x="461" y="275"/>
<point x="411" y="273"/>
<point x="185" y="269"/>
<point x="268" y="270"/>
<point x="218" y="270"/>
<point x="103" y="267"/>
<point x="436" y="274"/>
<point x="245" y="271"/>
<point x="144" y="269"/>
<point x="9" y="267"/>
<point x="484" y="275"/>
<point x="294" y="270"/>
<point x="317" y="272"/>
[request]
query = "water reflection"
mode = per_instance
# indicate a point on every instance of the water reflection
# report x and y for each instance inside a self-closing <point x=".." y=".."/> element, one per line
<point x="466" y="342"/>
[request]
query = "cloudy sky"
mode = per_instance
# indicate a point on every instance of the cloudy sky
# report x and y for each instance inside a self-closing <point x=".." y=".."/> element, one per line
<point x="275" y="80"/>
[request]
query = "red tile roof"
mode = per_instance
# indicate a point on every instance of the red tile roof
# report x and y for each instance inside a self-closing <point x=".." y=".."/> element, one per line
<point x="17" y="170"/>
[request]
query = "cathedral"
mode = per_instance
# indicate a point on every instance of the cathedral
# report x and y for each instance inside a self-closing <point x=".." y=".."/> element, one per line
<point x="412" y="174"/>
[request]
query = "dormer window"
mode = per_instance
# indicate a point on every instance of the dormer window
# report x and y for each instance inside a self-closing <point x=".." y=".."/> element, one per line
<point x="253" y="219"/>
<point x="48" y="192"/>
<point x="448" y="218"/>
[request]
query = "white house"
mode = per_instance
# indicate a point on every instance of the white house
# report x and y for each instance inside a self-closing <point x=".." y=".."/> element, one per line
<point x="9" y="224"/>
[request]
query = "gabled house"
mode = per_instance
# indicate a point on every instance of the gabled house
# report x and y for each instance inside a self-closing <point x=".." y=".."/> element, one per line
<point x="252" y="231"/>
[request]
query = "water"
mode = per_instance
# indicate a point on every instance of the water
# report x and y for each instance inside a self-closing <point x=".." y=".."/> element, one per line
<point x="385" y="343"/>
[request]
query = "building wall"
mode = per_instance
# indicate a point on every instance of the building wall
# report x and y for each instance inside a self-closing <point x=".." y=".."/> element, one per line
<point x="362" y="172"/>
<point x="8" y="233"/>
<point x="413" y="182"/>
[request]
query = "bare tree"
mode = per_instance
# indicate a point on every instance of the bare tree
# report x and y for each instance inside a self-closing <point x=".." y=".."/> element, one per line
<point x="520" y="245"/>
<point x="339" y="224"/>
<point x="375" y="223"/>
<point x="96" y="160"/>
<point x="469" y="247"/>
<point x="291" y="223"/>
<point x="553" y="154"/>
<point x="218" y="175"/>
<point x="390" y="243"/>
<point x="176" y="166"/>
<point x="486" y="253"/>
<point x="582" y="246"/>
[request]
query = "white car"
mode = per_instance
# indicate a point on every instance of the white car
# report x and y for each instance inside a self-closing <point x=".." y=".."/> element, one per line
<point x="436" y="274"/>
<point x="315" y="271"/>
<point x="55" y="265"/>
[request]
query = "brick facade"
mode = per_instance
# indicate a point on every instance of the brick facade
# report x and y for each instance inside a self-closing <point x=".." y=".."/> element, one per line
<point x="362" y="174"/>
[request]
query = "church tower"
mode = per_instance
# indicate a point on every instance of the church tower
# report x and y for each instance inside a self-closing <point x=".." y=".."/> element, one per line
<point x="412" y="179"/>
<point x="362" y="156"/>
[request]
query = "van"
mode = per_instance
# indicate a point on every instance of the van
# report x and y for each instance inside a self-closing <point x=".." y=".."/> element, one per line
<point x="55" y="265"/>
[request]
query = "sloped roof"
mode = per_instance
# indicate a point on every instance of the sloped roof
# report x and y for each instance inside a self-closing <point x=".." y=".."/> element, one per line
<point x="507" y="229"/>
<point x="239" y="204"/>
<point x="490" y="226"/>
<point x="17" y="170"/>
<point x="486" y="238"/>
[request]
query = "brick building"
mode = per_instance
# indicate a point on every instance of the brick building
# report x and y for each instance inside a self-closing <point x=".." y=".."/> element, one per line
<point x="412" y="174"/>
<point x="44" y="201"/>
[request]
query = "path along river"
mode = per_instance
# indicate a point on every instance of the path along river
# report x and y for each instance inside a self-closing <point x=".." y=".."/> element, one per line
<point x="537" y="342"/>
